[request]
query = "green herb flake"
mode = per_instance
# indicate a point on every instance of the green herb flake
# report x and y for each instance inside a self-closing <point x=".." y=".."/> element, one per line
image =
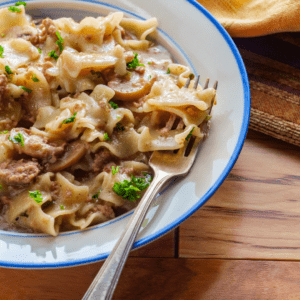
<point x="118" y="117"/>
<point x="3" y="35"/>
<point x="96" y="196"/>
<point x="1" y="52"/>
<point x="114" y="170"/>
<point x="149" y="77"/>
<point x="120" y="127"/>
<point x="17" y="139"/>
<point x="207" y="118"/>
<point x="168" y="71"/>
<point x="36" y="196"/>
<point x="106" y="137"/>
<point x="4" y="132"/>
<point x="69" y="120"/>
<point x="149" y="62"/>
<point x="190" y="134"/>
<point x="25" y="89"/>
<point x="148" y="176"/>
<point x="40" y="51"/>
<point x="53" y="55"/>
<point x="20" y="3"/>
<point x="129" y="189"/>
<point x="62" y="207"/>
<point x="134" y="63"/>
<point x="8" y="70"/>
<point x="1" y="187"/>
<point x="14" y="9"/>
<point x="113" y="105"/>
<point x="59" y="42"/>
<point x="34" y="78"/>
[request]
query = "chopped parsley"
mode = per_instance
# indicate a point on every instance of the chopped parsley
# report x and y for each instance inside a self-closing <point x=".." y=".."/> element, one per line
<point x="96" y="196"/>
<point x="60" y="41"/>
<point x="3" y="34"/>
<point x="1" y="52"/>
<point x="190" y="134"/>
<point x="191" y="76"/>
<point x="120" y="127"/>
<point x="149" y="62"/>
<point x="62" y="207"/>
<point x="53" y="55"/>
<point x="106" y="137"/>
<point x="207" y="117"/>
<point x="69" y="120"/>
<point x="148" y="176"/>
<point x="129" y="189"/>
<point x="14" y="9"/>
<point x="168" y="71"/>
<point x="8" y="70"/>
<point x="4" y="132"/>
<point x="114" y="170"/>
<point x="36" y="196"/>
<point x="134" y="63"/>
<point x="40" y="51"/>
<point x="17" y="139"/>
<point x="34" y="78"/>
<point x="149" y="76"/>
<point x="1" y="187"/>
<point x="20" y="3"/>
<point x="113" y="104"/>
<point x="25" y="89"/>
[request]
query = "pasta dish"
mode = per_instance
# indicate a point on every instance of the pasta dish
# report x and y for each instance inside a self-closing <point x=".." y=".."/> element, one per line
<point x="83" y="105"/>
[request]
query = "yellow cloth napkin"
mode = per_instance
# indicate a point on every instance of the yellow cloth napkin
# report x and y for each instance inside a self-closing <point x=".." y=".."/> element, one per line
<point x="246" y="18"/>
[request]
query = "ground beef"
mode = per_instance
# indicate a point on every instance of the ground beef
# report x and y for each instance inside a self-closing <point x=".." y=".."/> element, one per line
<point x="30" y="37"/>
<point x="107" y="167"/>
<point x="36" y="146"/>
<point x="47" y="28"/>
<point x="106" y="210"/>
<point x="101" y="159"/>
<point x="3" y="86"/>
<point x="18" y="172"/>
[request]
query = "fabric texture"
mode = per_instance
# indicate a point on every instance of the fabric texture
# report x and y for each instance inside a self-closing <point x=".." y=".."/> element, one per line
<point x="248" y="18"/>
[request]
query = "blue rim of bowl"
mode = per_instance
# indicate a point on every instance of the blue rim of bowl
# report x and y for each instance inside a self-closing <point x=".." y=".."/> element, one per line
<point x="205" y="197"/>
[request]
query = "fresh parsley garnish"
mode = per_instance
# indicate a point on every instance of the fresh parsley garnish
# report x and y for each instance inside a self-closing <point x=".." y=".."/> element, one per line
<point x="34" y="78"/>
<point x="60" y="41"/>
<point x="207" y="117"/>
<point x="20" y="3"/>
<point x="114" y="170"/>
<point x="17" y="139"/>
<point x="4" y="132"/>
<point x="120" y="127"/>
<point x="148" y="176"/>
<point x="36" y="196"/>
<point x="129" y="189"/>
<point x="40" y="51"/>
<point x="168" y="71"/>
<point x="14" y="9"/>
<point x="190" y="134"/>
<point x="1" y="52"/>
<point x="8" y="70"/>
<point x="106" y="137"/>
<point x="25" y="89"/>
<point x="149" y="62"/>
<point x="69" y="120"/>
<point x="149" y="76"/>
<point x="3" y="34"/>
<point x="96" y="196"/>
<point x="53" y="54"/>
<point x="62" y="207"/>
<point x="113" y="105"/>
<point x="134" y="63"/>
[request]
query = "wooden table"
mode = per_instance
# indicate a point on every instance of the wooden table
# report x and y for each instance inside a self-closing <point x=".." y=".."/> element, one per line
<point x="243" y="244"/>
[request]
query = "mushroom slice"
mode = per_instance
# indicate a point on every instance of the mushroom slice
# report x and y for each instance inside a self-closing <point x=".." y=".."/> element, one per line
<point x="133" y="85"/>
<point x="74" y="152"/>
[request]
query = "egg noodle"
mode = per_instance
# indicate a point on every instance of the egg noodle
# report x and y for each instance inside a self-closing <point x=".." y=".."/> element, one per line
<point x="82" y="106"/>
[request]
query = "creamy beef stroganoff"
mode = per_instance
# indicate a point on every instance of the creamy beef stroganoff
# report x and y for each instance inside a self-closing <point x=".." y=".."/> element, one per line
<point x="83" y="105"/>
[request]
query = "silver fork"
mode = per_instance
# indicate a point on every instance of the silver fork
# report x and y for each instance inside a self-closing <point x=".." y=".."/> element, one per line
<point x="165" y="164"/>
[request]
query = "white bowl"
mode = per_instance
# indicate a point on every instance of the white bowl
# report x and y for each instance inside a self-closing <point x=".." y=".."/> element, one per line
<point x="194" y="38"/>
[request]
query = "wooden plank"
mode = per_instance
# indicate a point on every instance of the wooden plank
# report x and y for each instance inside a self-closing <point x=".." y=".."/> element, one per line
<point x="161" y="279"/>
<point x="255" y="213"/>
<point x="163" y="247"/>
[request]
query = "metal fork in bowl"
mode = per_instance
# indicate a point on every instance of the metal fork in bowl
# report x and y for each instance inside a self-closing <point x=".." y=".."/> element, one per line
<point x="165" y="164"/>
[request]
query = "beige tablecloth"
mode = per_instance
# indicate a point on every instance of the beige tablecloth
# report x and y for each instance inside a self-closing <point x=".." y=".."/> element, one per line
<point x="246" y="18"/>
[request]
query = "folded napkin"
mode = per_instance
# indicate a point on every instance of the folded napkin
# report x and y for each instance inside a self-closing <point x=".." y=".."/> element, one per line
<point x="247" y="18"/>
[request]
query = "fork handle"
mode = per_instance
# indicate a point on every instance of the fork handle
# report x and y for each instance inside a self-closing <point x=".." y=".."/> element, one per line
<point x="105" y="282"/>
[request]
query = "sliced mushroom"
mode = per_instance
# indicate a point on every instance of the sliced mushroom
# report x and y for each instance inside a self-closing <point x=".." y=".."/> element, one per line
<point x="74" y="152"/>
<point x="134" y="85"/>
